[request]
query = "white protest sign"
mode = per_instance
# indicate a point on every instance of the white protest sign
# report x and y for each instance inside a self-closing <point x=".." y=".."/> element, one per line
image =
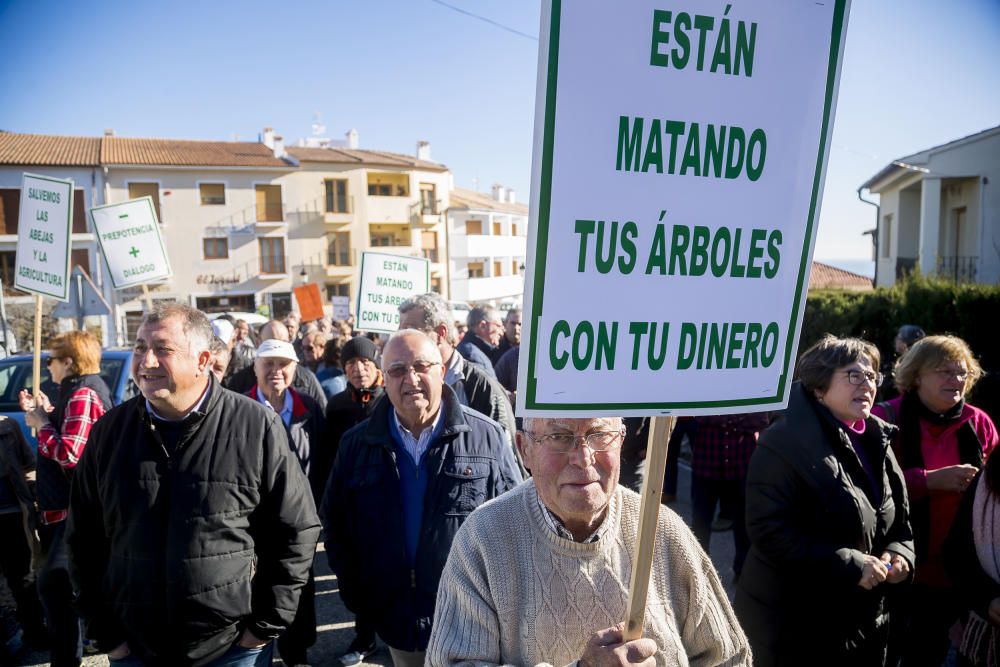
<point x="386" y="281"/>
<point x="130" y="240"/>
<point x="341" y="307"/>
<point x="43" y="236"/>
<point x="679" y="159"/>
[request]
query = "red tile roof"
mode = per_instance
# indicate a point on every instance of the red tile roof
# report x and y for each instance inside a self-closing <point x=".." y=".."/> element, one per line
<point x="480" y="201"/>
<point x="824" y="276"/>
<point x="362" y="157"/>
<point x="50" y="150"/>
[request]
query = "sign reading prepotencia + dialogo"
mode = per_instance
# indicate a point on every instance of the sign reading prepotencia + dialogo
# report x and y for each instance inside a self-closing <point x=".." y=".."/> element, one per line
<point x="680" y="150"/>
<point x="129" y="235"/>
<point x="43" y="236"/>
<point x="387" y="281"/>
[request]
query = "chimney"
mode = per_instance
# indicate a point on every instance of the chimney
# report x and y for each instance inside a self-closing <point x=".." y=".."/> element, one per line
<point x="109" y="132"/>
<point x="499" y="193"/>
<point x="424" y="151"/>
<point x="352" y="138"/>
<point x="267" y="137"/>
<point x="510" y="196"/>
<point x="279" y="146"/>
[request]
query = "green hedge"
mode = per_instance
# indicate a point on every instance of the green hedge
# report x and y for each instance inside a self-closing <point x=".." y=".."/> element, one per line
<point x="969" y="311"/>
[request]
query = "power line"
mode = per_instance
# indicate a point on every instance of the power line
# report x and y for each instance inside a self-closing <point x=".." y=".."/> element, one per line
<point x="486" y="20"/>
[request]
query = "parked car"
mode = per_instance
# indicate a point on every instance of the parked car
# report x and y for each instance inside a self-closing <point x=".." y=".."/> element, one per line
<point x="15" y="375"/>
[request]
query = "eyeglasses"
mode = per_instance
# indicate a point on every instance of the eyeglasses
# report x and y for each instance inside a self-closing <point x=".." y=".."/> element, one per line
<point x="563" y="443"/>
<point x="398" y="371"/>
<point x="861" y="377"/>
<point x="959" y="374"/>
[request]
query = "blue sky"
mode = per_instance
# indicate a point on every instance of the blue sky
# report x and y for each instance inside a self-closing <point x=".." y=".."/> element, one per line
<point x="916" y="73"/>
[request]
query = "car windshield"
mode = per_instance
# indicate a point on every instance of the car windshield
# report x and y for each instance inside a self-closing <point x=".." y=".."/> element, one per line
<point x="15" y="375"/>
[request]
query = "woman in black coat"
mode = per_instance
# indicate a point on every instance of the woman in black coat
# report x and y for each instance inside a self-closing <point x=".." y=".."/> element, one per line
<point x="827" y="519"/>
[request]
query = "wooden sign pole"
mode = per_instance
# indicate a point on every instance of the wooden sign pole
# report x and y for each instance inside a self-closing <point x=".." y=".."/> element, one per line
<point x="36" y="364"/>
<point x="148" y="298"/>
<point x="660" y="429"/>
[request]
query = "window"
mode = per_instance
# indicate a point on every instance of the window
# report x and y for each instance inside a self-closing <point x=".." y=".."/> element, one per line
<point x="379" y="239"/>
<point x="476" y="270"/>
<point x="216" y="248"/>
<point x="473" y="227"/>
<point x="497" y="268"/>
<point x="497" y="229"/>
<point x="336" y="195"/>
<point x="339" y="250"/>
<point x="428" y="199"/>
<point x="10" y="211"/>
<point x="886" y="241"/>
<point x="269" y="207"/>
<point x="212" y="194"/>
<point x="515" y="268"/>
<point x="272" y="255"/>
<point x="429" y="245"/>
<point x="338" y="289"/>
<point x="388" y="185"/>
<point x="136" y="190"/>
<point x="513" y="229"/>
<point x="436" y="285"/>
<point x="7" y="260"/>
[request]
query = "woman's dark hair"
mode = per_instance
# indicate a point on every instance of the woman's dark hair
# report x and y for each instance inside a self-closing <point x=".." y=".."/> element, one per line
<point x="331" y="352"/>
<point x="817" y="364"/>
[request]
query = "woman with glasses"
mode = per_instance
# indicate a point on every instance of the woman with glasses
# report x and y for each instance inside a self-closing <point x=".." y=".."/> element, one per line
<point x="74" y="363"/>
<point x="826" y="514"/>
<point x="941" y="444"/>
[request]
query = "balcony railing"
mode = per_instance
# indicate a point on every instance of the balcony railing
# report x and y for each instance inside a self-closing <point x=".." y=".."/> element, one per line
<point x="960" y="268"/>
<point x="430" y="254"/>
<point x="273" y="265"/>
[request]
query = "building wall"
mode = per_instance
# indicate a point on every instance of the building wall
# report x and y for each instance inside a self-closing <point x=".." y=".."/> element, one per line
<point x="186" y="223"/>
<point x="505" y="251"/>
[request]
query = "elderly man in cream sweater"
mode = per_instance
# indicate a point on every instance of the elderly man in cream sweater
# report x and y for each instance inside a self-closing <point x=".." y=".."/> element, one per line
<point x="540" y="575"/>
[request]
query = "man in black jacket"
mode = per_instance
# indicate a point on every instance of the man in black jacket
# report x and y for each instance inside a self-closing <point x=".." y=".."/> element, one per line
<point x="402" y="484"/>
<point x="192" y="527"/>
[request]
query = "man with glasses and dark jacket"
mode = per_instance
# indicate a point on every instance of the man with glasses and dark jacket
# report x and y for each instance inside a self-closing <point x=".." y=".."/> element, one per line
<point x="402" y="484"/>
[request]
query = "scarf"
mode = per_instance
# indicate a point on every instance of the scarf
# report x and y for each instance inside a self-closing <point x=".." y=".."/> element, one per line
<point x="364" y="396"/>
<point x="980" y="639"/>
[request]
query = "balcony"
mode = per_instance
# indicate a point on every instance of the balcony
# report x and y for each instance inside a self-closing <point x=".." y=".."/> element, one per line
<point x="487" y="246"/>
<point x="251" y="220"/>
<point x="425" y="214"/>
<point x="341" y="263"/>
<point x="338" y="212"/>
<point x="388" y="209"/>
<point x="401" y="250"/>
<point x="483" y="289"/>
<point x="959" y="268"/>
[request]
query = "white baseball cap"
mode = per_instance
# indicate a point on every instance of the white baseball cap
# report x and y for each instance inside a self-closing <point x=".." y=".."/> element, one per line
<point x="273" y="347"/>
<point x="223" y="329"/>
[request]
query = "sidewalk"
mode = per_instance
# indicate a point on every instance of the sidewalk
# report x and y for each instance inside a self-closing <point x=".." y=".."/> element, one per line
<point x="336" y="624"/>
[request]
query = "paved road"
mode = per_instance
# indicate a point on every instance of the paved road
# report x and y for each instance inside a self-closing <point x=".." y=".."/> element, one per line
<point x="336" y="629"/>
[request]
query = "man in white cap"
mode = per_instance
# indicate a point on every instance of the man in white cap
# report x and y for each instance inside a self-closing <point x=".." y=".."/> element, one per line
<point x="303" y="419"/>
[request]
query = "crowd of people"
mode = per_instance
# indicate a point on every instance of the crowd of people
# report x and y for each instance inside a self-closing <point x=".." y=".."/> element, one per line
<point x="180" y="527"/>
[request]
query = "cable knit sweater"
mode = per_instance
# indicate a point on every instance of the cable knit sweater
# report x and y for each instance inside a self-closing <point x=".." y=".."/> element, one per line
<point x="515" y="593"/>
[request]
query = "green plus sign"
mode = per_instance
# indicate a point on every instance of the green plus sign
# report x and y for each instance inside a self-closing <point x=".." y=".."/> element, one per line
<point x="134" y="251"/>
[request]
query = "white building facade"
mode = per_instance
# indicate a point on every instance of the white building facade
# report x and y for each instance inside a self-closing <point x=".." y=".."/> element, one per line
<point x="488" y="241"/>
<point x="939" y="210"/>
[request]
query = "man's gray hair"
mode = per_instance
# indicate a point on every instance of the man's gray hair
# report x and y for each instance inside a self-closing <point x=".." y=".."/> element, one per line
<point x="436" y="312"/>
<point x="511" y="312"/>
<point x="197" y="328"/>
<point x="404" y="333"/>
<point x="479" y="314"/>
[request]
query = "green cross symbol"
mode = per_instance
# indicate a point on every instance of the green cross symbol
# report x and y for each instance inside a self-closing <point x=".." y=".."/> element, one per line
<point x="134" y="251"/>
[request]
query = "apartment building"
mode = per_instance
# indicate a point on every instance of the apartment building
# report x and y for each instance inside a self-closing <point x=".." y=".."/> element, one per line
<point x="368" y="200"/>
<point x="243" y="222"/>
<point x="488" y="241"/>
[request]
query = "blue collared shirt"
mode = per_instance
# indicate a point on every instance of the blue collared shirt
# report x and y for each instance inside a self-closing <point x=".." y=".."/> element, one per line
<point x="286" y="411"/>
